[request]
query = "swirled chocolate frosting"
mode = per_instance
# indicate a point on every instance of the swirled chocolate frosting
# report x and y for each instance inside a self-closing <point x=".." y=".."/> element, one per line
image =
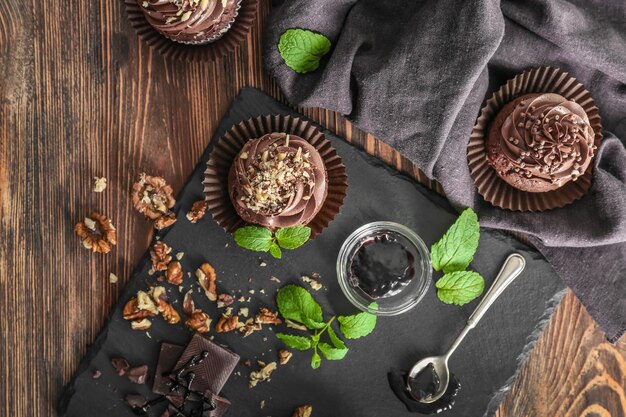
<point x="278" y="180"/>
<point x="190" y="21"/>
<point x="540" y="142"/>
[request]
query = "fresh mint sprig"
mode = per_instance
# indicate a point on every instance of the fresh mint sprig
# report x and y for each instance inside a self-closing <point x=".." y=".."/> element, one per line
<point x="452" y="254"/>
<point x="296" y="303"/>
<point x="302" y="49"/>
<point x="261" y="239"/>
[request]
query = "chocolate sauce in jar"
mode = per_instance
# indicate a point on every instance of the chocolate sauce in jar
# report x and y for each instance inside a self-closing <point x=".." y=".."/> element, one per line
<point x="383" y="265"/>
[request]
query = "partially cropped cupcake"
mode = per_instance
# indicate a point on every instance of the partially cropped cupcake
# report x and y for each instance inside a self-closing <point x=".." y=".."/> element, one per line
<point x="278" y="180"/>
<point x="190" y="21"/>
<point x="540" y="142"/>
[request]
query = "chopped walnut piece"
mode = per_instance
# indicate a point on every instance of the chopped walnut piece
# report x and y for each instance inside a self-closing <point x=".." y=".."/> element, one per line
<point x="97" y="233"/>
<point x="263" y="374"/>
<point x="152" y="196"/>
<point x="99" y="184"/>
<point x="174" y="274"/>
<point x="250" y="327"/>
<point x="224" y="300"/>
<point x="199" y="321"/>
<point x="315" y="285"/>
<point x="197" y="211"/>
<point x="283" y="356"/>
<point x="206" y="278"/>
<point x="141" y="324"/>
<point x="139" y="307"/>
<point x="166" y="309"/>
<point x="303" y="411"/>
<point x="227" y="324"/>
<point x="266" y="317"/>
<point x="160" y="254"/>
<point x="188" y="305"/>
<point x="164" y="221"/>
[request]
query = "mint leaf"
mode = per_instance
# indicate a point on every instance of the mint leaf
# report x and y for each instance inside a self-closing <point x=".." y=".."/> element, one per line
<point x="293" y="237"/>
<point x="295" y="303"/>
<point x="455" y="250"/>
<point x="331" y="353"/>
<point x="358" y="325"/>
<point x="316" y="361"/>
<point x="335" y="340"/>
<point x="255" y="238"/>
<point x="302" y="49"/>
<point x="460" y="287"/>
<point x="296" y="342"/>
<point x="275" y="251"/>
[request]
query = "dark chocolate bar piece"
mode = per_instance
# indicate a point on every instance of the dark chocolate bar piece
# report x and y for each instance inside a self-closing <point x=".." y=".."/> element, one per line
<point x="214" y="370"/>
<point x="168" y="357"/>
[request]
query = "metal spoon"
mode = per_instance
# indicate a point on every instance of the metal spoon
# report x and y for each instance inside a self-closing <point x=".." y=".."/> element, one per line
<point x="511" y="268"/>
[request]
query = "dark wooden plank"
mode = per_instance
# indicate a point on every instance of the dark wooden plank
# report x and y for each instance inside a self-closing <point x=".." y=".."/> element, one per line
<point x="80" y="96"/>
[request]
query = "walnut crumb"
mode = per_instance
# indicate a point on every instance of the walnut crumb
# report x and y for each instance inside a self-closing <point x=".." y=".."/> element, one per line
<point x="283" y="356"/>
<point x="262" y="374"/>
<point x="315" y="285"/>
<point x="303" y="411"/>
<point x="112" y="278"/>
<point x="99" y="184"/>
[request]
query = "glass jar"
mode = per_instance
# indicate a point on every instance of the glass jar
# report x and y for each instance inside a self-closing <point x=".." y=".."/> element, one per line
<point x="400" y="300"/>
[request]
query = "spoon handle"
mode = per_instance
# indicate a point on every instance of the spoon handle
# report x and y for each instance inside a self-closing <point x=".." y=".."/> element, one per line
<point x="512" y="267"/>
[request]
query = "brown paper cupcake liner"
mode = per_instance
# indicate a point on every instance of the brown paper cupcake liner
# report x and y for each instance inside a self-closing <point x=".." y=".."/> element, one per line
<point x="228" y="146"/>
<point x="497" y="191"/>
<point x="210" y="51"/>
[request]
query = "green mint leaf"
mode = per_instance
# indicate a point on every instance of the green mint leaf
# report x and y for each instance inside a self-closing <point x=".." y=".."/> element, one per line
<point x="302" y="49"/>
<point x="455" y="250"/>
<point x="275" y="251"/>
<point x="460" y="287"/>
<point x="293" y="341"/>
<point x="295" y="303"/>
<point x="331" y="353"/>
<point x="316" y="361"/>
<point x="312" y="324"/>
<point x="293" y="237"/>
<point x="358" y="325"/>
<point x="335" y="340"/>
<point x="255" y="238"/>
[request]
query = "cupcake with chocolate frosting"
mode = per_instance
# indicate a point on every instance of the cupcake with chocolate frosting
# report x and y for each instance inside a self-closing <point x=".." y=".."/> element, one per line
<point x="278" y="180"/>
<point x="540" y="142"/>
<point x="190" y="21"/>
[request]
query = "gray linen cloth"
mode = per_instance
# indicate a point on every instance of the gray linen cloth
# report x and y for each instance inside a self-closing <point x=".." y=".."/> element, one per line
<point x="415" y="73"/>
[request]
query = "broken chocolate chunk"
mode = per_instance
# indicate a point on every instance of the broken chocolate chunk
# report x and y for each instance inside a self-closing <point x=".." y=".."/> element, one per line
<point x="121" y="365"/>
<point x="138" y="375"/>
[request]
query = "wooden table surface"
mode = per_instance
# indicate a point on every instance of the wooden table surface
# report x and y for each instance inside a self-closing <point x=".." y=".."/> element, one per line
<point x="81" y="96"/>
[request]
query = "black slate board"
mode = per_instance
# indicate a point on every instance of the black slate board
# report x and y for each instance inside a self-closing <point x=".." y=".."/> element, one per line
<point x="356" y="386"/>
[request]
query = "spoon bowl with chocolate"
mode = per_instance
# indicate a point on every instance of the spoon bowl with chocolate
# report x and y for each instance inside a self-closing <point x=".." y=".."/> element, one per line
<point x="384" y="268"/>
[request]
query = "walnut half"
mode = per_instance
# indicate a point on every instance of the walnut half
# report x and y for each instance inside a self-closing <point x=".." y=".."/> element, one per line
<point x="266" y="317"/>
<point x="227" y="324"/>
<point x="163" y="306"/>
<point x="97" y="233"/>
<point x="206" y="278"/>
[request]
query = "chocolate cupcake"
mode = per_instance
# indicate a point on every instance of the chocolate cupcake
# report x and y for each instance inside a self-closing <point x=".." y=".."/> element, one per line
<point x="278" y="180"/>
<point x="540" y="142"/>
<point x="190" y="21"/>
